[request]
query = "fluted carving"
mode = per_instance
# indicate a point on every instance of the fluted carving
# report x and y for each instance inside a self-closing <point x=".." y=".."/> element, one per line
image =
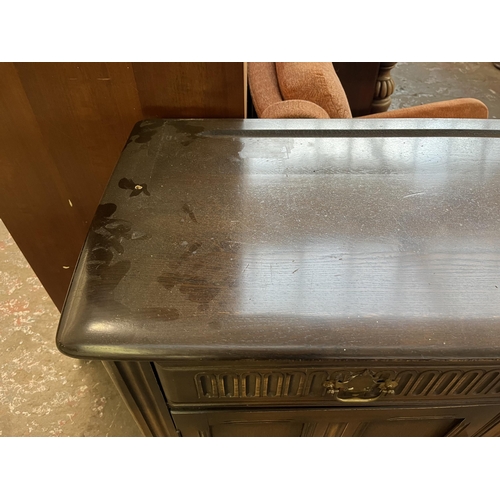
<point x="405" y="384"/>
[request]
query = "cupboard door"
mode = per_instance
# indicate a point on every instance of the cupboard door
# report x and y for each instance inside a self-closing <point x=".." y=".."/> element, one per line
<point x="254" y="424"/>
<point x="351" y="422"/>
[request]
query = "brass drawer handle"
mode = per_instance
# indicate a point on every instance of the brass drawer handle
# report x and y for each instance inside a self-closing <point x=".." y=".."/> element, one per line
<point x="357" y="400"/>
<point x="359" y="387"/>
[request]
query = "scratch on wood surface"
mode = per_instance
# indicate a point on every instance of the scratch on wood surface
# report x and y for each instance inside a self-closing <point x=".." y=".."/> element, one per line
<point x="114" y="418"/>
<point x="414" y="194"/>
<point x="239" y="222"/>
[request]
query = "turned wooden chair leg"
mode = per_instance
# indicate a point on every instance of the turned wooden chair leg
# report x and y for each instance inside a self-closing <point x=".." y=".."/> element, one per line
<point x="383" y="88"/>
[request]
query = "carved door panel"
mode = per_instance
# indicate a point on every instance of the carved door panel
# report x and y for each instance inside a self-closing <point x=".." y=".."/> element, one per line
<point x="252" y="424"/>
<point x="379" y="422"/>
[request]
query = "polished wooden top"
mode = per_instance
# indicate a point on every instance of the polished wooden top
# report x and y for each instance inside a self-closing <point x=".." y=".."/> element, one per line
<point x="299" y="239"/>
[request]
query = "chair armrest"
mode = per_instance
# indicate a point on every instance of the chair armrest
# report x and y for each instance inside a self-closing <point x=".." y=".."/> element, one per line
<point x="294" y="109"/>
<point x="455" y="108"/>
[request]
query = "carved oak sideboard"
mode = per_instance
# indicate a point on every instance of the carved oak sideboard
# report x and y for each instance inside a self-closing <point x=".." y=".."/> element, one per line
<point x="298" y="278"/>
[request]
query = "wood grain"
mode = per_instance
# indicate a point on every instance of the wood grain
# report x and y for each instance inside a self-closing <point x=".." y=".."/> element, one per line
<point x="359" y="80"/>
<point x="188" y="90"/>
<point x="62" y="128"/>
<point x="33" y="195"/>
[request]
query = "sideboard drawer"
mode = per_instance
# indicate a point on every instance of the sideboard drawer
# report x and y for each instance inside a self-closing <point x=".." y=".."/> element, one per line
<point x="328" y="386"/>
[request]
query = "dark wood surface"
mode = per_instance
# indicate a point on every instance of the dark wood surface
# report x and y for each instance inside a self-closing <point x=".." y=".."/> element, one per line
<point x="331" y="240"/>
<point x="359" y="80"/>
<point x="62" y="128"/>
<point x="364" y="422"/>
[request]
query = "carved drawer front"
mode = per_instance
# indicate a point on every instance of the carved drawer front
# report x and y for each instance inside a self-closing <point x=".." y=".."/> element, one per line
<point x="329" y="386"/>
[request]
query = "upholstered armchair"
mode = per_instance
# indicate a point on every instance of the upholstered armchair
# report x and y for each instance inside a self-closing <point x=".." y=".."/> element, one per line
<point x="313" y="90"/>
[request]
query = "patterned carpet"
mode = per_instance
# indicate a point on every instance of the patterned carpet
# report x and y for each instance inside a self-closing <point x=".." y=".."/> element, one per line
<point x="42" y="392"/>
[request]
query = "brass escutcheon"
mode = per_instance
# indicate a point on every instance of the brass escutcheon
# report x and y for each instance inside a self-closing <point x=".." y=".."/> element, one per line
<point x="351" y="388"/>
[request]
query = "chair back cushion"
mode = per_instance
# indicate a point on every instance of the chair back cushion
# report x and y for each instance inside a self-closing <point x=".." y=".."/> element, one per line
<point x="263" y="85"/>
<point x="315" y="82"/>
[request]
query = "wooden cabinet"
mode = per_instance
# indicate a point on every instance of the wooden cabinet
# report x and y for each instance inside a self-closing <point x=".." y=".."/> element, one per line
<point x="424" y="407"/>
<point x="298" y="278"/>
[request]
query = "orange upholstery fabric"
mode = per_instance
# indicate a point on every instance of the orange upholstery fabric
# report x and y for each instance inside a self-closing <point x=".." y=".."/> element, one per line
<point x="315" y="82"/>
<point x="294" y="109"/>
<point x="455" y="108"/>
